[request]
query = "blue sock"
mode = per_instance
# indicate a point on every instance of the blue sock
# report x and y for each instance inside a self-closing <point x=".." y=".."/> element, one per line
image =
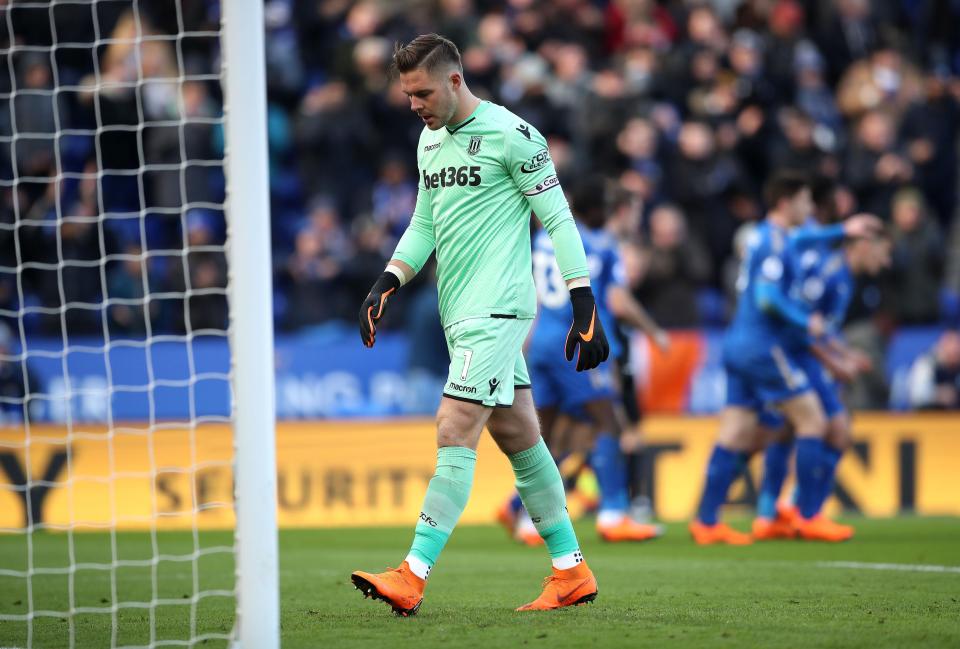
<point x="516" y="504"/>
<point x="810" y="470"/>
<point x="831" y="458"/>
<point x="611" y="470"/>
<point x="775" y="461"/>
<point x="723" y="468"/>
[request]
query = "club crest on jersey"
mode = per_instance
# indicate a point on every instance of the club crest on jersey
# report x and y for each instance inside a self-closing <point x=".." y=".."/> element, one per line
<point x="474" y="147"/>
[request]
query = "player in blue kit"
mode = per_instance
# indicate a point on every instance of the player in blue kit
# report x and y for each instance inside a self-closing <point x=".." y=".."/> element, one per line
<point x="761" y="368"/>
<point x="587" y="396"/>
<point x="825" y="279"/>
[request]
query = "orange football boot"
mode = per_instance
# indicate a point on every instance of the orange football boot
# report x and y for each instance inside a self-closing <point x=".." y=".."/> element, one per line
<point x="719" y="533"/>
<point x="570" y="587"/>
<point x="765" y="529"/>
<point x="398" y="587"/>
<point x="506" y="516"/>
<point x="628" y="529"/>
<point x="821" y="528"/>
<point x="788" y="512"/>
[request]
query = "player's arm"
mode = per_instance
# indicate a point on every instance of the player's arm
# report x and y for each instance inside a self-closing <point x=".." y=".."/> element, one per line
<point x="770" y="294"/>
<point x="529" y="164"/>
<point x="842" y="360"/>
<point x="627" y="309"/>
<point x="411" y="254"/>
<point x="624" y="306"/>
<point x="859" y="225"/>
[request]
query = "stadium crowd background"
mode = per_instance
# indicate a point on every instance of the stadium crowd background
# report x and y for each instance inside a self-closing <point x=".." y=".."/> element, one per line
<point x="684" y="106"/>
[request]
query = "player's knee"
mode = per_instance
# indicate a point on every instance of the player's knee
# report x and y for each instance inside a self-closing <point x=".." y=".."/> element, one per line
<point x="459" y="426"/>
<point x="738" y="430"/>
<point x="839" y="433"/>
<point x="806" y="416"/>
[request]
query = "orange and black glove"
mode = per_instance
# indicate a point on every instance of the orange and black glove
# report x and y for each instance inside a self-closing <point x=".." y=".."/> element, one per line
<point x="586" y="331"/>
<point x="373" y="307"/>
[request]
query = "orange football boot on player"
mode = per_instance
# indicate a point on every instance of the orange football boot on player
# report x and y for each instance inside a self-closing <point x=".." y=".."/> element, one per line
<point x="627" y="529"/>
<point x="788" y="512"/>
<point x="821" y="528"/>
<point x="398" y="587"/>
<point x="765" y="529"/>
<point x="570" y="587"/>
<point x="719" y="533"/>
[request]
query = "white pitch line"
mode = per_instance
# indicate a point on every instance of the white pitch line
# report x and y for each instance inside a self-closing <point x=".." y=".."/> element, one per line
<point x="903" y="567"/>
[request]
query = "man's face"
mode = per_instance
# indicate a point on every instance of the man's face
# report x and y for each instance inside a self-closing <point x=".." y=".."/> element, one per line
<point x="432" y="96"/>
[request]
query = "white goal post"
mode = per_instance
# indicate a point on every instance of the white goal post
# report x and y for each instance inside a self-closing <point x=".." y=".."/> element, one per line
<point x="137" y="396"/>
<point x="258" y="608"/>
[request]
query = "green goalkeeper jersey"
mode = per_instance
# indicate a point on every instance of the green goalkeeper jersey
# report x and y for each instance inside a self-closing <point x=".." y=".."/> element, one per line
<point x="479" y="182"/>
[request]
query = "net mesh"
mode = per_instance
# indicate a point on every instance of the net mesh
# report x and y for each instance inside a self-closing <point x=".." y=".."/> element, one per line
<point x="115" y="445"/>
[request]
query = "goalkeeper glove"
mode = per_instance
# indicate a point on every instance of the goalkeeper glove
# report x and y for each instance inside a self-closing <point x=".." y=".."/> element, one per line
<point x="373" y="307"/>
<point x="586" y="331"/>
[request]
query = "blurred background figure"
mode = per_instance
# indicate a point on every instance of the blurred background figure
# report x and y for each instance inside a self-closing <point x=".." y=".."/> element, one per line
<point x="20" y="388"/>
<point x="677" y="267"/>
<point x="935" y="376"/>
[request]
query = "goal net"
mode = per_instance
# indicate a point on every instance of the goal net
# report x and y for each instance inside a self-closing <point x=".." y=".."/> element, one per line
<point x="136" y="464"/>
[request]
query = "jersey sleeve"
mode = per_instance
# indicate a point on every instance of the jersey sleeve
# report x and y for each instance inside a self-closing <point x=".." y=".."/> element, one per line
<point x="808" y="236"/>
<point x="528" y="162"/>
<point x="418" y="240"/>
<point x="770" y="286"/>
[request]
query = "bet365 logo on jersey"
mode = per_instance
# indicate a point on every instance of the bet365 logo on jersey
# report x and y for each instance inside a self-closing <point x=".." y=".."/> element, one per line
<point x="451" y="177"/>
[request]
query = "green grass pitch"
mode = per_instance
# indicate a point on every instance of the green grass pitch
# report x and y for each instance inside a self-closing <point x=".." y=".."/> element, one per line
<point x="663" y="593"/>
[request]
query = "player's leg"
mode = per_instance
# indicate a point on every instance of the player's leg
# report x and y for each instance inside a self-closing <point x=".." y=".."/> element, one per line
<point x="516" y="431"/>
<point x="469" y="395"/>
<point x="838" y="434"/>
<point x="809" y="417"/>
<point x="839" y="439"/>
<point x="609" y="465"/>
<point x="805" y="413"/>
<point x="768" y="524"/>
<point x="511" y="514"/>
<point x="632" y="438"/>
<point x="459" y="425"/>
<point x="736" y="440"/>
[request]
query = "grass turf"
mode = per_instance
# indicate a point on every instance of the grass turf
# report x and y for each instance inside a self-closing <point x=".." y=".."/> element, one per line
<point x="664" y="592"/>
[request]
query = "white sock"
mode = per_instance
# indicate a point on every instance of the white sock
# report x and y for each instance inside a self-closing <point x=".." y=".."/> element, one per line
<point x="609" y="517"/>
<point x="568" y="561"/>
<point x="418" y="567"/>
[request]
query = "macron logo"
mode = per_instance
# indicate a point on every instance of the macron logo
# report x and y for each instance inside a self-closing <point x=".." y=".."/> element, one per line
<point x="463" y="388"/>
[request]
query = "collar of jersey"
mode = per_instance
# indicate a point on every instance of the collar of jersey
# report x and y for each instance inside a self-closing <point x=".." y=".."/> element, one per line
<point x="476" y="111"/>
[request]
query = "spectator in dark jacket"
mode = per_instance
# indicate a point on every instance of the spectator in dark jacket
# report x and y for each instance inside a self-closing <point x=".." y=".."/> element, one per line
<point x="917" y="260"/>
<point x="677" y="267"/>
<point x="876" y="166"/>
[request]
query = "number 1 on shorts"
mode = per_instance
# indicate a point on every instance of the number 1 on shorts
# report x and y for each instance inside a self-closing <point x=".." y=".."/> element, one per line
<point x="467" y="355"/>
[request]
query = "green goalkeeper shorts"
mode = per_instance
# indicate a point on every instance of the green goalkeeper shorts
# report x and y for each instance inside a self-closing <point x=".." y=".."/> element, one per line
<point x="486" y="360"/>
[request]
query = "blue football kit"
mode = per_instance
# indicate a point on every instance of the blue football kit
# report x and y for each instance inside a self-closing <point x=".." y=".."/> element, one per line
<point x="757" y="347"/>
<point x="555" y="382"/>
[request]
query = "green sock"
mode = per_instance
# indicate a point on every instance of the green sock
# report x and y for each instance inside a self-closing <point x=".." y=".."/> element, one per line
<point x="447" y="495"/>
<point x="541" y="489"/>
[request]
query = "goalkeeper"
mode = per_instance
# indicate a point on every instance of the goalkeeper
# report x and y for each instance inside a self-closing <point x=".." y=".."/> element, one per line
<point x="482" y="171"/>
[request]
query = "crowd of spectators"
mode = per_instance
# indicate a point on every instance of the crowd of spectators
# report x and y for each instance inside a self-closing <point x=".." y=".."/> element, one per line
<point x="686" y="106"/>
